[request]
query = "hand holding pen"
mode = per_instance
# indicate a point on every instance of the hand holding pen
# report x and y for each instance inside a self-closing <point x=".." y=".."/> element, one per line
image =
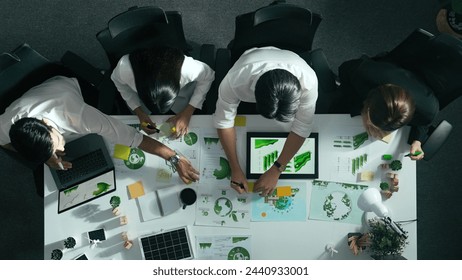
<point x="149" y="128"/>
<point x="239" y="187"/>
<point x="416" y="155"/>
<point x="56" y="161"/>
<point x="416" y="152"/>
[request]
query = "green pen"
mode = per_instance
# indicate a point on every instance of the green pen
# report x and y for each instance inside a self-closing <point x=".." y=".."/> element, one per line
<point x="415" y="154"/>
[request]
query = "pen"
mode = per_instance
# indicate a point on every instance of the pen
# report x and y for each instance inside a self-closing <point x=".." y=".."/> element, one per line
<point x="60" y="164"/>
<point x="415" y="154"/>
<point x="150" y="126"/>
<point x="238" y="184"/>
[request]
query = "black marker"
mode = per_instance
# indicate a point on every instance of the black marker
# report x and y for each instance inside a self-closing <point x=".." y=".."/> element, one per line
<point x="238" y="184"/>
<point x="150" y="126"/>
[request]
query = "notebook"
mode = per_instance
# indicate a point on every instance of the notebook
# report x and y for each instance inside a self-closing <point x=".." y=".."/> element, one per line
<point x="91" y="176"/>
<point x="159" y="203"/>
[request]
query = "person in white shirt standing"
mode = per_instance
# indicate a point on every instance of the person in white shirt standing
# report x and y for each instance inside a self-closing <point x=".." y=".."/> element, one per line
<point x="284" y="88"/>
<point x="38" y="124"/>
<point x="159" y="79"/>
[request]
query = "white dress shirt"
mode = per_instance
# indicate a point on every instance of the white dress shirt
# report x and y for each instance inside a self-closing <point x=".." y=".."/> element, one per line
<point x="239" y="85"/>
<point x="192" y="71"/>
<point x="60" y="101"/>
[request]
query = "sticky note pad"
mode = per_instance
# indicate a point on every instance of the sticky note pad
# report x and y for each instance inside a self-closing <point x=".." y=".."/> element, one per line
<point x="121" y="152"/>
<point x="284" y="191"/>
<point x="367" y="176"/>
<point x="240" y="121"/>
<point x="136" y="189"/>
<point x="250" y="186"/>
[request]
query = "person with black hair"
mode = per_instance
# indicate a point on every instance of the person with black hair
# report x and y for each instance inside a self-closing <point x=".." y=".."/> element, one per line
<point x="284" y="88"/>
<point x="162" y="79"/>
<point x="38" y="124"/>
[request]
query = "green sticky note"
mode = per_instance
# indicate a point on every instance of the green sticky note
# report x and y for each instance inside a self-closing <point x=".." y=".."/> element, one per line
<point x="121" y="152"/>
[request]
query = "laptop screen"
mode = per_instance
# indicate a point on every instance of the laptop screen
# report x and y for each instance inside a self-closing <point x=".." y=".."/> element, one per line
<point x="76" y="195"/>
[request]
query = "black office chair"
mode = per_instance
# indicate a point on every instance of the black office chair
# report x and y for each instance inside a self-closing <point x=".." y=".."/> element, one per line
<point x="142" y="27"/>
<point x="22" y="69"/>
<point x="280" y="25"/>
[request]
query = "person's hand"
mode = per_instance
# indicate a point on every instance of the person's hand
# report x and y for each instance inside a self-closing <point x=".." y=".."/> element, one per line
<point x="267" y="182"/>
<point x="146" y="124"/>
<point x="181" y="123"/>
<point x="186" y="171"/>
<point x="56" y="161"/>
<point x="239" y="182"/>
<point x="416" y="147"/>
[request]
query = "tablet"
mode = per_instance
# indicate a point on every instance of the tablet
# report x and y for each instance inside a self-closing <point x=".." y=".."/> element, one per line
<point x="263" y="149"/>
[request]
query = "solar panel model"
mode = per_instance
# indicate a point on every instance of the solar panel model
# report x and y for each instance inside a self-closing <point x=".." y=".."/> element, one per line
<point x="168" y="245"/>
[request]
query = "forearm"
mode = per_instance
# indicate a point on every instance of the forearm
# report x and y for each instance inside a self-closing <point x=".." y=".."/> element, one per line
<point x="155" y="147"/>
<point x="417" y="133"/>
<point x="188" y="111"/>
<point x="139" y="112"/>
<point x="228" y="141"/>
<point x="291" y="147"/>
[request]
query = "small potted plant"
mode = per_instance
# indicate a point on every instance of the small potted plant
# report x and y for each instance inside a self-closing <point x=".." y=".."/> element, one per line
<point x="381" y="241"/>
<point x="115" y="202"/>
<point x="396" y="165"/>
<point x="385" y="243"/>
<point x="69" y="243"/>
<point x="56" y="254"/>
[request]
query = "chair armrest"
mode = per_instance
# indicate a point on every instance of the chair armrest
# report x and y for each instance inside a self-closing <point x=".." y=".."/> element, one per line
<point x="208" y="55"/>
<point x="327" y="80"/>
<point x="326" y="77"/>
<point x="436" y="139"/>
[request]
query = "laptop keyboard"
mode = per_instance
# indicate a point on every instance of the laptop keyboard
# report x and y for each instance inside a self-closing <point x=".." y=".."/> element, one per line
<point x="83" y="166"/>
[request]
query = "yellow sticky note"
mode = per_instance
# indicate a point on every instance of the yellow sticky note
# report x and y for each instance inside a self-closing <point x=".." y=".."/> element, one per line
<point x="367" y="176"/>
<point x="250" y="186"/>
<point x="284" y="191"/>
<point x="136" y="189"/>
<point x="121" y="152"/>
<point x="240" y="121"/>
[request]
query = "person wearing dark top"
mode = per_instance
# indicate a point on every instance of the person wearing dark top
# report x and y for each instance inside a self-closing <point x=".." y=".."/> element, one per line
<point x="388" y="97"/>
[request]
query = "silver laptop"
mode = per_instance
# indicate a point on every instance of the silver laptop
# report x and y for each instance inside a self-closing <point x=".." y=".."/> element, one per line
<point x="91" y="176"/>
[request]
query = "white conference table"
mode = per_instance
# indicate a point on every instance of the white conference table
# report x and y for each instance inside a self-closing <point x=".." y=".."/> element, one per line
<point x="282" y="240"/>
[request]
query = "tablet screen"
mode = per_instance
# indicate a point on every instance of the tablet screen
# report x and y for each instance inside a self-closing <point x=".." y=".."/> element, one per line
<point x="263" y="149"/>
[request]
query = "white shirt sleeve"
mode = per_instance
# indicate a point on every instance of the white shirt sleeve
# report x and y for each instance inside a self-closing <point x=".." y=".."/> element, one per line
<point x="303" y="122"/>
<point x="113" y="130"/>
<point x="199" y="72"/>
<point x="124" y="80"/>
<point x="226" y="107"/>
